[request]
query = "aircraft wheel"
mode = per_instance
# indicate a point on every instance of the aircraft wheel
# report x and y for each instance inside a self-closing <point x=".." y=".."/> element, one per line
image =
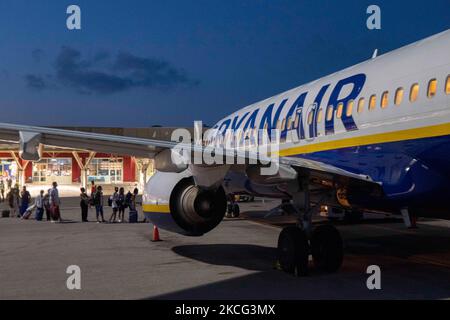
<point x="293" y="251"/>
<point x="327" y="248"/>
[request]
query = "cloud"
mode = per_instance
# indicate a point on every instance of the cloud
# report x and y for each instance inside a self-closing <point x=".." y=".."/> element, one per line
<point x="35" y="82"/>
<point x="102" y="74"/>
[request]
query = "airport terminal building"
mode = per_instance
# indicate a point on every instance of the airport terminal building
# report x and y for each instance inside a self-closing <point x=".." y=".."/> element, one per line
<point x="79" y="167"/>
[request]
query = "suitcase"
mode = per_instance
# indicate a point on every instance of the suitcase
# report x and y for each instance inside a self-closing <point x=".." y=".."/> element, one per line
<point x="55" y="213"/>
<point x="28" y="212"/>
<point x="133" y="216"/>
<point x="5" y="213"/>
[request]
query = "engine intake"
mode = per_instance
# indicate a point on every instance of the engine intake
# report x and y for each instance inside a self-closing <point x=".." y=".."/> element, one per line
<point x="195" y="210"/>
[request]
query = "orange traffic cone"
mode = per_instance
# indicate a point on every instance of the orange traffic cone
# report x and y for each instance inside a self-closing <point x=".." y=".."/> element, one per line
<point x="155" y="234"/>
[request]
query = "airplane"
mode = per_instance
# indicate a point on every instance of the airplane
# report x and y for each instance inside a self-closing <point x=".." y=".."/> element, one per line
<point x="374" y="136"/>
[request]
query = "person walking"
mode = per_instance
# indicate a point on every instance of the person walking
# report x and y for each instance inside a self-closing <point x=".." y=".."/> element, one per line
<point x="121" y="204"/>
<point x="115" y="207"/>
<point x="93" y="188"/>
<point x="9" y="183"/>
<point x="2" y="190"/>
<point x="14" y="202"/>
<point x="55" y="203"/>
<point x="25" y="200"/>
<point x="84" y="204"/>
<point x="39" y="202"/>
<point x="46" y="202"/>
<point x="98" y="203"/>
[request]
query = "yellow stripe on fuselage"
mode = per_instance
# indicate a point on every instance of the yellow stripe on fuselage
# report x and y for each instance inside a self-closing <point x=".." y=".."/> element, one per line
<point x="402" y="135"/>
<point x="161" y="208"/>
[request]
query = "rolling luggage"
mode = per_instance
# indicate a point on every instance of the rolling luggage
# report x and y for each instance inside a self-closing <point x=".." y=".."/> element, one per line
<point x="55" y="213"/>
<point x="28" y="212"/>
<point x="133" y="217"/>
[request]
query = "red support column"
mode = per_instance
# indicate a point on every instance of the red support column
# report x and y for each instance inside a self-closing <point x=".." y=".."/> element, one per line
<point x="129" y="169"/>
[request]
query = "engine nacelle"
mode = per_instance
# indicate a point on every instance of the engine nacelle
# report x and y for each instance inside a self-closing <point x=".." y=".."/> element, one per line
<point x="170" y="160"/>
<point x="173" y="202"/>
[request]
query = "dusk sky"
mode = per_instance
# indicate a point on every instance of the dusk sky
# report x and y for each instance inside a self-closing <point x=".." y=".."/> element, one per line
<point x="142" y="63"/>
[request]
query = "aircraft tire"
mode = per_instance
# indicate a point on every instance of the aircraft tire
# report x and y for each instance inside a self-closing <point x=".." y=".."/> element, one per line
<point x="293" y="251"/>
<point x="327" y="248"/>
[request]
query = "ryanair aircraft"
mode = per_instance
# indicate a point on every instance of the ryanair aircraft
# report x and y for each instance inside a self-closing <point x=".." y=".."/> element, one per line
<point x="375" y="136"/>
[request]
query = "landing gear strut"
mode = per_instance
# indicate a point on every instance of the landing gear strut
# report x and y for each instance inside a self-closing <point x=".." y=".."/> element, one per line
<point x="297" y="243"/>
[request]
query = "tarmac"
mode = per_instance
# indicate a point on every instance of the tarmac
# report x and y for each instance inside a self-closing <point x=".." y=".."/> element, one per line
<point x="234" y="261"/>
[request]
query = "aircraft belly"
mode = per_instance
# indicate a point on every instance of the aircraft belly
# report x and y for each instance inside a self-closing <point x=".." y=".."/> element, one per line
<point x="412" y="172"/>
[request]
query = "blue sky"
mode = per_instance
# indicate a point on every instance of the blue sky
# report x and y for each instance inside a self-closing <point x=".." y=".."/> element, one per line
<point x="141" y="63"/>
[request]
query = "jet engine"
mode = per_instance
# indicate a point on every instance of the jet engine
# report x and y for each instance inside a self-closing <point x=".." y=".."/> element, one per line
<point x="174" y="202"/>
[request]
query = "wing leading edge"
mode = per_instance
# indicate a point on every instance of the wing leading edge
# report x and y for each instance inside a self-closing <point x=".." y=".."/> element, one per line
<point x="147" y="148"/>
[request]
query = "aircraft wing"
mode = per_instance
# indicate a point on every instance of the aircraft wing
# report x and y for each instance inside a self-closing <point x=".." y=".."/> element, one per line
<point x="85" y="140"/>
<point x="148" y="148"/>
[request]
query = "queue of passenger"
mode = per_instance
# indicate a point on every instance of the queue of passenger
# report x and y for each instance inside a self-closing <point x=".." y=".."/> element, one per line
<point x="49" y="203"/>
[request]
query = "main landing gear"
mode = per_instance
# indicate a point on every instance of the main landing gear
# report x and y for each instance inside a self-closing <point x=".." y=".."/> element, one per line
<point x="297" y="243"/>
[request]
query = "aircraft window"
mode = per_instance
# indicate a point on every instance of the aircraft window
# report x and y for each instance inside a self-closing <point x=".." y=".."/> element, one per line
<point x="349" y="110"/>
<point x="310" y="117"/>
<point x="384" y="99"/>
<point x="398" y="96"/>
<point x="283" y="125"/>
<point x="289" y="123"/>
<point x="339" y="110"/>
<point x="447" y="85"/>
<point x="372" y="102"/>
<point x="414" y="94"/>
<point x="432" y="86"/>
<point x="297" y="120"/>
<point x="329" y="113"/>
<point x="361" y="103"/>
<point x="254" y="133"/>
<point x="319" y="116"/>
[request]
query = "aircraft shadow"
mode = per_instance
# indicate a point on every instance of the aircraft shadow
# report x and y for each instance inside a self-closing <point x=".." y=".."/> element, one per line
<point x="403" y="280"/>
<point x="405" y="275"/>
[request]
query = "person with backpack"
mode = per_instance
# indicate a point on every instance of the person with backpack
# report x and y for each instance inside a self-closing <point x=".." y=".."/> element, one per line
<point x="98" y="203"/>
<point x="46" y="203"/>
<point x="55" y="202"/>
<point x="84" y="204"/>
<point x="25" y="200"/>
<point x="113" y="201"/>
<point x="14" y="202"/>
<point x="121" y="204"/>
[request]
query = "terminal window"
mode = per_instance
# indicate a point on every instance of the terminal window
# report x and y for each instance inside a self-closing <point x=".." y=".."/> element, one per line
<point x="106" y="170"/>
<point x="50" y="170"/>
